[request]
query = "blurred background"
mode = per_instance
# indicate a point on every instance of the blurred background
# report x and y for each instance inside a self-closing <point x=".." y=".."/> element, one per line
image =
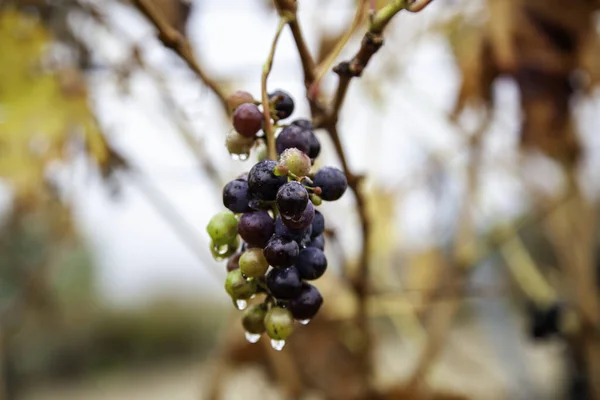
<point x="475" y="125"/>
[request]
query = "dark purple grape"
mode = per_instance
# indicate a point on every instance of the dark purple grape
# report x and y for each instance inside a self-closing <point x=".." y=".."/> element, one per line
<point x="332" y="182"/>
<point x="292" y="199"/>
<point x="262" y="182"/>
<point x="302" y="221"/>
<point x="247" y="119"/>
<point x="544" y="321"/>
<point x="281" y="252"/>
<point x="303" y="123"/>
<point x="235" y="196"/>
<point x="318" y="242"/>
<point x="288" y="233"/>
<point x="256" y="228"/>
<point x="307" y="303"/>
<point x="293" y="136"/>
<point x="233" y="262"/>
<point x="311" y="263"/>
<point x="284" y="283"/>
<point x="315" y="146"/>
<point x="284" y="104"/>
<point x="318" y="224"/>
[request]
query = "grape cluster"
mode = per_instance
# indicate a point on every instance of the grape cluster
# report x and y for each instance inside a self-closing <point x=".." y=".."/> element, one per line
<point x="272" y="235"/>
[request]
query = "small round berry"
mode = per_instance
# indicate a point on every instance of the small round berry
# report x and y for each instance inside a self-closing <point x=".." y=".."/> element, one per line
<point x="301" y="221"/>
<point x="279" y="323"/>
<point x="283" y="231"/>
<point x="262" y="182"/>
<point x="296" y="162"/>
<point x="284" y="283"/>
<point x="318" y="242"/>
<point x="233" y="262"/>
<point x="292" y="199"/>
<point x="237" y="98"/>
<point x="307" y="303"/>
<point x="247" y="120"/>
<point x="284" y="104"/>
<point x="315" y="146"/>
<point x="311" y="263"/>
<point x="293" y="136"/>
<point x="238" y="144"/>
<point x="254" y="319"/>
<point x="253" y="263"/>
<point x="318" y="224"/>
<point x="235" y="196"/>
<point x="315" y="199"/>
<point x="281" y="252"/>
<point x="332" y="182"/>
<point x="222" y="228"/>
<point x="238" y="287"/>
<point x="256" y="228"/>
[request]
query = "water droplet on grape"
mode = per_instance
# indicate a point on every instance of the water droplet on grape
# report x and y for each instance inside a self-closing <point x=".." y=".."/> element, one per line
<point x="252" y="337"/>
<point x="241" y="304"/>
<point x="304" y="321"/>
<point x="222" y="249"/>
<point x="244" y="156"/>
<point x="235" y="157"/>
<point x="277" y="344"/>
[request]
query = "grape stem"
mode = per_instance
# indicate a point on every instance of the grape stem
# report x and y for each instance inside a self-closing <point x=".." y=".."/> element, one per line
<point x="268" y="126"/>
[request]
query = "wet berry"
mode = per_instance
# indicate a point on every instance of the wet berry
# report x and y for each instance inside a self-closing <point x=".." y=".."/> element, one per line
<point x="284" y="104"/>
<point x="311" y="263"/>
<point x="256" y="228"/>
<point x="262" y="182"/>
<point x="247" y="119"/>
<point x="292" y="199"/>
<point x="332" y="182"/>
<point x="236" y="197"/>
<point x="284" y="283"/>
<point x="281" y="252"/>
<point x="307" y="303"/>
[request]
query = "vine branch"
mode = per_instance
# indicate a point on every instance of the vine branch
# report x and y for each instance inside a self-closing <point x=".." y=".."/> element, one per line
<point x="270" y="135"/>
<point x="177" y="42"/>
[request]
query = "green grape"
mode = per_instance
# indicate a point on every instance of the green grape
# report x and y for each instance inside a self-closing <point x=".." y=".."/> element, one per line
<point x="279" y="323"/>
<point x="222" y="228"/>
<point x="253" y="263"/>
<point x="254" y="317"/>
<point x="297" y="162"/>
<point x="238" y="287"/>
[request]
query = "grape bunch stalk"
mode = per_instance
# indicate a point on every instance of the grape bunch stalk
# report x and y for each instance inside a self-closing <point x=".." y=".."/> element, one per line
<point x="272" y="234"/>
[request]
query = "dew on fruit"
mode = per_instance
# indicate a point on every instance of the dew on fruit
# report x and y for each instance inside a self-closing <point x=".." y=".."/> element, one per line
<point x="252" y="337"/>
<point x="304" y="321"/>
<point x="241" y="304"/>
<point x="235" y="157"/>
<point x="221" y="250"/>
<point x="277" y="344"/>
<point x="243" y="156"/>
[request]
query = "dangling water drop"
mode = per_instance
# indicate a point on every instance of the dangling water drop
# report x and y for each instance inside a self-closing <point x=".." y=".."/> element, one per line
<point x="244" y="156"/>
<point x="252" y="337"/>
<point x="304" y="321"/>
<point x="235" y="157"/>
<point x="241" y="304"/>
<point x="221" y="250"/>
<point x="277" y="344"/>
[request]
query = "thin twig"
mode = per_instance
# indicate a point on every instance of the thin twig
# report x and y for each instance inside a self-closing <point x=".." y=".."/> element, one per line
<point x="174" y="40"/>
<point x="288" y="8"/>
<point x="325" y="65"/>
<point x="268" y="126"/>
